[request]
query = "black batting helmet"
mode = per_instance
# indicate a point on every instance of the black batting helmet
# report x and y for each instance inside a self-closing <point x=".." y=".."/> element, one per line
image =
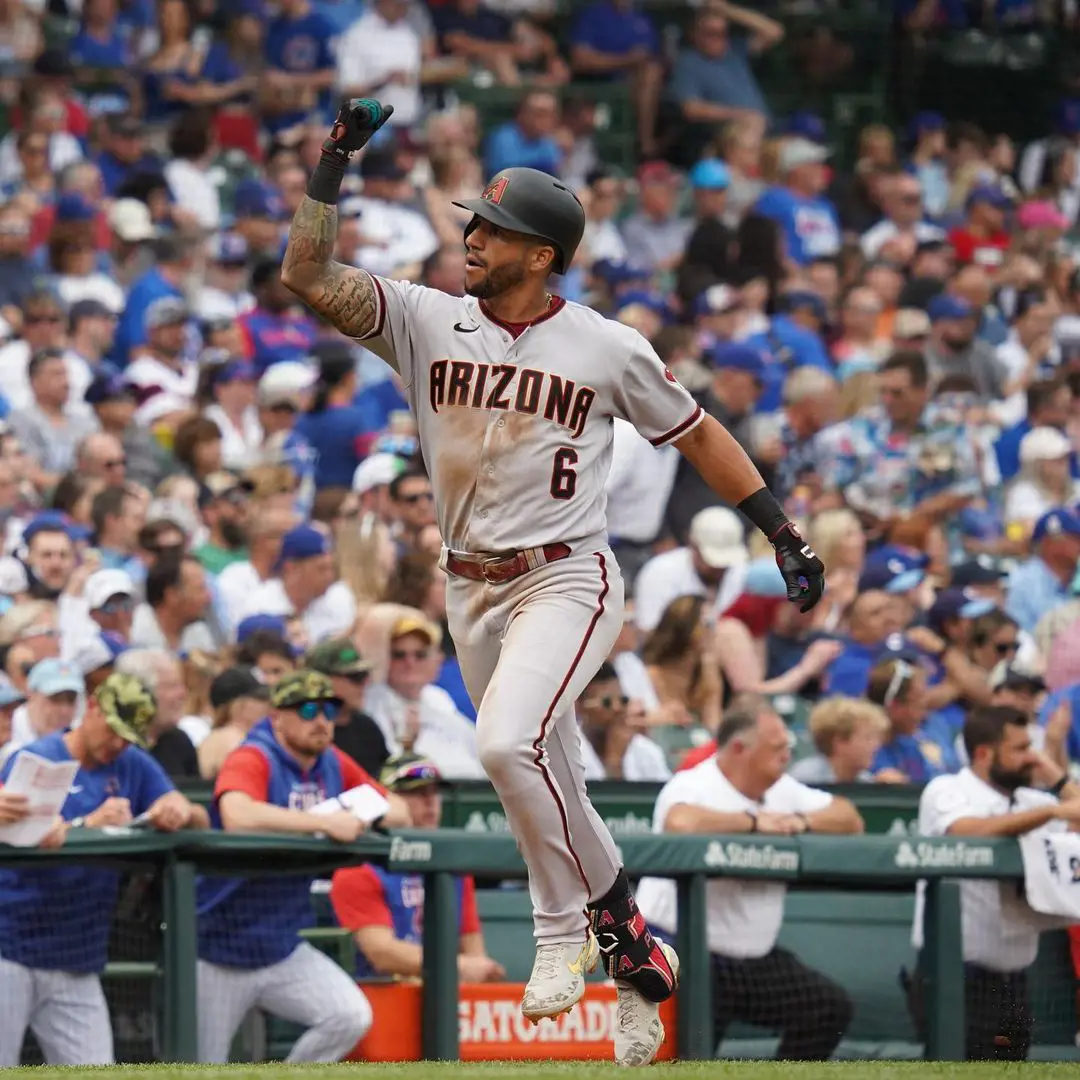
<point x="532" y="202"/>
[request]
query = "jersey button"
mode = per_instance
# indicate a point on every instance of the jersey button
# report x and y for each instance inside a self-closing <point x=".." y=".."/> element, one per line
<point x="500" y="423"/>
<point x="491" y="470"/>
<point x="483" y="513"/>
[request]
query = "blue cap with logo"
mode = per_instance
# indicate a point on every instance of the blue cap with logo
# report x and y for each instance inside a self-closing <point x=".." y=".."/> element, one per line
<point x="72" y="206"/>
<point x="230" y="249"/>
<point x="894" y="569"/>
<point x="957" y="603"/>
<point x="1058" y="522"/>
<point x="803" y="300"/>
<point x="47" y="521"/>
<point x="738" y="357"/>
<point x="303" y="542"/>
<point x="806" y="125"/>
<point x="944" y="306"/>
<point x="989" y="194"/>
<point x="257" y="199"/>
<point x="50" y="677"/>
<point x="107" y="386"/>
<point x="710" y="175"/>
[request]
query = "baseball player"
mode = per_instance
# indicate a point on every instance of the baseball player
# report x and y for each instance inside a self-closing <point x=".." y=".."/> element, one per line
<point x="54" y="923"/>
<point x="250" y="952"/>
<point x="515" y="391"/>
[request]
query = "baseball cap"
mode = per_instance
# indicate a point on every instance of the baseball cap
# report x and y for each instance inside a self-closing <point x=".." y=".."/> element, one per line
<point x="52" y="676"/>
<point x="303" y="542"/>
<point x="168" y="311"/>
<point x="337" y="656"/>
<point x="375" y="471"/>
<point x="71" y="206"/>
<point x="234" y="370"/>
<point x="409" y="772"/>
<point x="285" y="383"/>
<point x="987" y="193"/>
<point x="1044" y="444"/>
<point x="718" y="536"/>
<point x="46" y="521"/>
<point x="620" y="271"/>
<point x="955" y="603"/>
<point x="1006" y="676"/>
<point x="799" y="151"/>
<point x="738" y="357"/>
<point x="1041" y="214"/>
<point x="657" y="172"/>
<point x="128" y="705"/>
<point x="710" y="175"/>
<point x="88" y="309"/>
<point x="978" y="571"/>
<point x="217" y="485"/>
<point x="802" y="300"/>
<point x="10" y="694"/>
<point x="910" y="323"/>
<point x="107" y="386"/>
<point x="928" y="120"/>
<point x="236" y="682"/>
<point x="805" y="125"/>
<point x="258" y="199"/>
<point x="230" y="249"/>
<point x="897" y="647"/>
<point x="1058" y="522"/>
<point x="717" y="300"/>
<point x="894" y="569"/>
<point x="944" y="306"/>
<point x="382" y="164"/>
<point x="299" y="686"/>
<point x="257" y="624"/>
<point x="416" y="624"/>
<point x="102" y="585"/>
<point x="130" y="219"/>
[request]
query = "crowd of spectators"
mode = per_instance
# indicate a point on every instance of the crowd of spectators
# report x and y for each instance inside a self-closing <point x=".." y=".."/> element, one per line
<point x="204" y="487"/>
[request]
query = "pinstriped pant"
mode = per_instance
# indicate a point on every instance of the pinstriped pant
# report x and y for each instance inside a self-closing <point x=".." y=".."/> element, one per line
<point x="527" y="650"/>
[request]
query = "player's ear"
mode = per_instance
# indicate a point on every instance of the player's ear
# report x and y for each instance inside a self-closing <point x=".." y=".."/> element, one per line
<point x="543" y="256"/>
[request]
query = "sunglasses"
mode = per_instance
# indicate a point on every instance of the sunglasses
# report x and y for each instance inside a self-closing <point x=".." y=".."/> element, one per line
<point x="420" y="496"/>
<point x="311" y="710"/>
<point x="1003" y="648"/>
<point x="409" y="654"/>
<point x="610" y="701"/>
<point x="357" y="678"/>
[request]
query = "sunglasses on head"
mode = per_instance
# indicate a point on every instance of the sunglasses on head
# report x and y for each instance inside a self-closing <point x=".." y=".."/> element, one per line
<point x="311" y="710"/>
<point x="409" y="654"/>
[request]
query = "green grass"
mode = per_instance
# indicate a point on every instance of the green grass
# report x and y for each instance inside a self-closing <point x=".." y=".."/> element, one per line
<point x="691" y="1070"/>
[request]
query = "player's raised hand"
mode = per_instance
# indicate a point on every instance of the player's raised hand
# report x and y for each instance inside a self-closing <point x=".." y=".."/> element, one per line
<point x="357" y="120"/>
<point x="802" y="570"/>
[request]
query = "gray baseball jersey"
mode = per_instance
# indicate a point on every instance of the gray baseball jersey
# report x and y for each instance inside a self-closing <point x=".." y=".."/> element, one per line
<point x="516" y="429"/>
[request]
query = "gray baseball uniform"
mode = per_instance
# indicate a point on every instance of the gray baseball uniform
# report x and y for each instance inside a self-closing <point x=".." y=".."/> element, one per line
<point x="515" y="424"/>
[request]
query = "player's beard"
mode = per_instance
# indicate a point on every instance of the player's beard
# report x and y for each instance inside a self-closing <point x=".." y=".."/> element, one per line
<point x="497" y="281"/>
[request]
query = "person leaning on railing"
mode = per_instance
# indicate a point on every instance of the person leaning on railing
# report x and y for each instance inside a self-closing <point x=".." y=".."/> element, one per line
<point x="744" y="789"/>
<point x="54" y="923"/>
<point x="995" y="797"/>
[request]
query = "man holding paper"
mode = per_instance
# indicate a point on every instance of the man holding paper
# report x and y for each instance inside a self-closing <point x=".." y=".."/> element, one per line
<point x="54" y="923"/>
<point x="287" y="776"/>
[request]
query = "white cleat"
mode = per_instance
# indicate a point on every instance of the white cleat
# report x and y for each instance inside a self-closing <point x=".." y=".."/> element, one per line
<point x="557" y="982"/>
<point x="639" y="1031"/>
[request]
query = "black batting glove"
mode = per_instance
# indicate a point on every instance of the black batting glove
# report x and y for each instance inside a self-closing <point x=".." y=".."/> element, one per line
<point x="357" y="120"/>
<point x="802" y="570"/>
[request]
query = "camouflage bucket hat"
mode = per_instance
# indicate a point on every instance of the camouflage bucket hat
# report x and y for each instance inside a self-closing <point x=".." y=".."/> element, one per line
<point x="338" y="656"/>
<point x="128" y="706"/>
<point x="300" y="686"/>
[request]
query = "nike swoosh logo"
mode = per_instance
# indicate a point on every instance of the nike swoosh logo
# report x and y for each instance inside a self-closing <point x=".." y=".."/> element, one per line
<point x="465" y="329"/>
<point x="74" y="790"/>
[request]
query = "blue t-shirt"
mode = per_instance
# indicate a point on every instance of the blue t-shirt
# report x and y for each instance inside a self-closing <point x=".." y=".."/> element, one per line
<point x="849" y="673"/>
<point x="253" y="922"/>
<point x="791" y="346"/>
<point x="615" y="31"/>
<point x="920" y="757"/>
<point x="450" y="679"/>
<point x="115" y="173"/>
<point x="59" y="919"/>
<point x="91" y="52"/>
<point x="299" y="46"/>
<point x="131" y="329"/>
<point x="276" y="337"/>
<point x="507" y="147"/>
<point x="376" y="402"/>
<point x="334" y="435"/>
<point x="811" y="226"/>
<point x="725" y="80"/>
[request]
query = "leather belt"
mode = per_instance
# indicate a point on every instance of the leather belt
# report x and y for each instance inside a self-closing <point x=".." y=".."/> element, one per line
<point x="499" y="569"/>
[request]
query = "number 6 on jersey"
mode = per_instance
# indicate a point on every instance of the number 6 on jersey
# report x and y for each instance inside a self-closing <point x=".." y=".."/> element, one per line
<point x="563" y="477"/>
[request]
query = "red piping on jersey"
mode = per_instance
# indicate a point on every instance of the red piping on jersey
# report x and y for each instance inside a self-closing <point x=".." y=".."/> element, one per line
<point x="538" y="745"/>
<point x="516" y="329"/>
<point x="678" y="429"/>
<point x="377" y="332"/>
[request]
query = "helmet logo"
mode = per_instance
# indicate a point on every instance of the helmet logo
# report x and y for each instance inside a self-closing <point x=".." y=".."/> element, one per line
<point x="495" y="190"/>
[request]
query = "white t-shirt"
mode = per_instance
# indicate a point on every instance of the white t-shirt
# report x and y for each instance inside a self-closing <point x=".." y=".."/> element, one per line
<point x="445" y="735"/>
<point x="1026" y="502"/>
<point x="744" y="916"/>
<point x="996" y="936"/>
<point x="638" y="485"/>
<point x="634" y="680"/>
<point x="194" y="192"/>
<point x="75" y="287"/>
<point x="877" y="236"/>
<point x="372" y="50"/>
<point x="642" y="760"/>
<point x="396" y="235"/>
<point x="668" y="576"/>
<point x="327" y="616"/>
<point x="235" y="585"/>
<point x="239" y="446"/>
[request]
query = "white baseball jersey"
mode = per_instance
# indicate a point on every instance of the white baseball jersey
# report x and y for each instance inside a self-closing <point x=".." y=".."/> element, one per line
<point x="516" y="422"/>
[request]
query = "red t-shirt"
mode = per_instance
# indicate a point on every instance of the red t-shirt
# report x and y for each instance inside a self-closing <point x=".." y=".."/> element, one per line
<point x="697" y="755"/>
<point x="985" y="251"/>
<point x="247" y="769"/>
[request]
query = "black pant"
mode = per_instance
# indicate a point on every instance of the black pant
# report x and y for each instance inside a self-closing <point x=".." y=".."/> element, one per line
<point x="778" y="991"/>
<point x="998" y="1016"/>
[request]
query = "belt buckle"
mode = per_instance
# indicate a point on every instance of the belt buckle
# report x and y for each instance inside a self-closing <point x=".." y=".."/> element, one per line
<point x="491" y="560"/>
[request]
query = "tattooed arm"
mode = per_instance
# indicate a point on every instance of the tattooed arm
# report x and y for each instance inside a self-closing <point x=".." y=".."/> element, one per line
<point x="342" y="294"/>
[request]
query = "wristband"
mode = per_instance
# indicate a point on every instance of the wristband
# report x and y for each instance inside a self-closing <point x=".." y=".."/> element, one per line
<point x="325" y="183"/>
<point x="753" y="820"/>
<point x="764" y="512"/>
<point x="77" y="823"/>
<point x="1059" y="787"/>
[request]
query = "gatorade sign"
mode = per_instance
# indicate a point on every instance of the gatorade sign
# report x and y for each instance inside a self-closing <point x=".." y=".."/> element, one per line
<point x="491" y="1027"/>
